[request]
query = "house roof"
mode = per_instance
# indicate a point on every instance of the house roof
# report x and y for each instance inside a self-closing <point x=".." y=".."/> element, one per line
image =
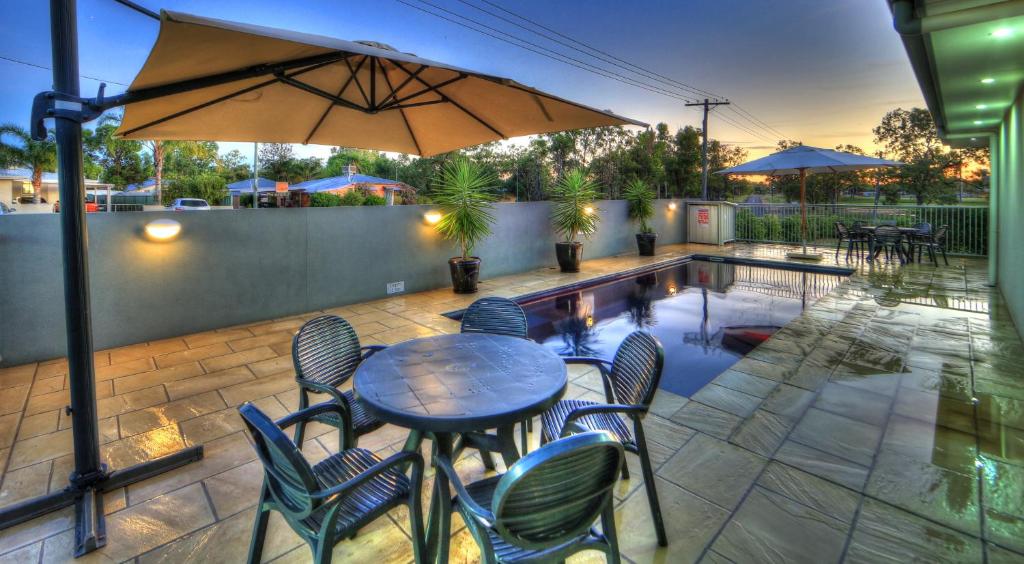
<point x="245" y="185"/>
<point x="48" y="177"/>
<point x="147" y="183"/>
<point x="339" y="182"/>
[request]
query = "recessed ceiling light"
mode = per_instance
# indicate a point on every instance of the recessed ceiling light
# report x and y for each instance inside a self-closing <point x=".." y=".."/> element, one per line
<point x="977" y="122"/>
<point x="1002" y="33"/>
<point x="987" y="80"/>
<point x="981" y="106"/>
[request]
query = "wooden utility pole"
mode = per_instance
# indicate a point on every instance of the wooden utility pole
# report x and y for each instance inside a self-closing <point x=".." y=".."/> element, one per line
<point x="708" y="104"/>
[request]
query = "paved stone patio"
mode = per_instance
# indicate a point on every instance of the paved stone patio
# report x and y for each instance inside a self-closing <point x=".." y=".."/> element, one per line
<point x="886" y="423"/>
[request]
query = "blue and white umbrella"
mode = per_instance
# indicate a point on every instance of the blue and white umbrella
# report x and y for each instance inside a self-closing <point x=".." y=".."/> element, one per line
<point x="802" y="160"/>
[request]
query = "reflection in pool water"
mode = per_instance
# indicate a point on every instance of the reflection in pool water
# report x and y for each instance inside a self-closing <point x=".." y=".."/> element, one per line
<point x="707" y="315"/>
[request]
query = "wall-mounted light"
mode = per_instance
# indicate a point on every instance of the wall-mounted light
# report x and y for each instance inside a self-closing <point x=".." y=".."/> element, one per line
<point x="162" y="229"/>
<point x="672" y="206"/>
<point x="589" y="210"/>
<point x="1002" y="33"/>
<point x="988" y="80"/>
<point x="672" y="290"/>
<point x="981" y="106"/>
<point x="977" y="122"/>
<point x="432" y="217"/>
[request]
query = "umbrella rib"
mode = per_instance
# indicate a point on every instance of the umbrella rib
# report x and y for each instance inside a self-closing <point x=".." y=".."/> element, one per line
<point x="359" y="84"/>
<point x="448" y="99"/>
<point x="330" y="106"/>
<point x="323" y="94"/>
<point x="423" y="91"/>
<point x="394" y="91"/>
<point x="220" y="99"/>
<point x="408" y="126"/>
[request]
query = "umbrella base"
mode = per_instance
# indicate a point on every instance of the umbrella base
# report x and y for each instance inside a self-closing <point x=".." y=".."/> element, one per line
<point x="804" y="256"/>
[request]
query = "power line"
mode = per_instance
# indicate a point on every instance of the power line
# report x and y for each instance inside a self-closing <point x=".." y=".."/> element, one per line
<point x="42" y="67"/>
<point x="635" y="68"/>
<point x="609" y="59"/>
<point x="596" y="50"/>
<point x="632" y="67"/>
<point x="540" y="50"/>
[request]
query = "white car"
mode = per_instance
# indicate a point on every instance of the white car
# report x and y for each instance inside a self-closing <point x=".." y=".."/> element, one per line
<point x="190" y="204"/>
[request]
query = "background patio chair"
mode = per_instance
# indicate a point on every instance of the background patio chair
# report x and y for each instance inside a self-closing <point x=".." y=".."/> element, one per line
<point x="328" y="502"/>
<point x="496" y="316"/>
<point x="326" y="353"/>
<point x="545" y="507"/>
<point x="888" y="238"/>
<point x="934" y="243"/>
<point x="630" y="382"/>
<point x="853" y="239"/>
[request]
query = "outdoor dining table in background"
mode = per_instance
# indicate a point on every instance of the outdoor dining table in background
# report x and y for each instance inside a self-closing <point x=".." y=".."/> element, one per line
<point x="907" y="233"/>
<point x="449" y="385"/>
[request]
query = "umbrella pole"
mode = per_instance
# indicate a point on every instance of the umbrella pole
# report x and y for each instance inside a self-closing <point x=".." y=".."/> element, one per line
<point x="803" y="208"/>
<point x="90" y="478"/>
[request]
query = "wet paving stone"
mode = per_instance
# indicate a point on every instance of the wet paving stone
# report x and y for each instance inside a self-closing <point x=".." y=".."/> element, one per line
<point x="886" y="534"/>
<point x="838" y="435"/>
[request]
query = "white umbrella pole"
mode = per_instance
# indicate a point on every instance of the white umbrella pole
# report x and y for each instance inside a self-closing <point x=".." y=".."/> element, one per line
<point x="803" y="208"/>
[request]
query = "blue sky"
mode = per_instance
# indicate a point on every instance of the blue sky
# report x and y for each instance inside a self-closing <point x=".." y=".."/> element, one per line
<point x="821" y="72"/>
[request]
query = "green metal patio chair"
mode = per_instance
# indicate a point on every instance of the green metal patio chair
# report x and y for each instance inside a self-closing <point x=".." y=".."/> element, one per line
<point x="630" y="382"/>
<point x="326" y="353"/>
<point x="331" y="501"/>
<point x="545" y="507"/>
<point x="496" y="316"/>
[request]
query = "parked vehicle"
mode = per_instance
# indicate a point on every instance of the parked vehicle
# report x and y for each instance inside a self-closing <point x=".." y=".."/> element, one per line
<point x="190" y="204"/>
<point x="90" y="207"/>
<point x="5" y="209"/>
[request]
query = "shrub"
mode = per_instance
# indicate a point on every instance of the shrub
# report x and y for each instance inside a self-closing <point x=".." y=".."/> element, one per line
<point x="324" y="200"/>
<point x="374" y="200"/>
<point x="351" y="198"/>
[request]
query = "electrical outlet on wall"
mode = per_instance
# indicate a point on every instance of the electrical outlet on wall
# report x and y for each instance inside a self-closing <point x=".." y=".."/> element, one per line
<point x="396" y="287"/>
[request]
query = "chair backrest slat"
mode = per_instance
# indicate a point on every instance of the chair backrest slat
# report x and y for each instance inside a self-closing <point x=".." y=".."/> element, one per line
<point x="497" y="316"/>
<point x="636" y="369"/>
<point x="556" y="493"/>
<point x="842" y="231"/>
<point x="940" y="234"/>
<point x="325" y="351"/>
<point x="888" y="234"/>
<point x="289" y="477"/>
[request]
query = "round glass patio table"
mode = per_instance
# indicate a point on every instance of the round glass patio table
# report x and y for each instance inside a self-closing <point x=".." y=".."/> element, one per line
<point x="450" y="385"/>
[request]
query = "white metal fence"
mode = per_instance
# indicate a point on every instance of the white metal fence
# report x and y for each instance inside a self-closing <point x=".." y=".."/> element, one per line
<point x="780" y="223"/>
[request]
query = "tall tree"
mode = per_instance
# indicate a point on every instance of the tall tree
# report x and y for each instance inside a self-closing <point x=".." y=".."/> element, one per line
<point x="38" y="156"/>
<point x="121" y="160"/>
<point x="275" y="160"/>
<point x="911" y="136"/>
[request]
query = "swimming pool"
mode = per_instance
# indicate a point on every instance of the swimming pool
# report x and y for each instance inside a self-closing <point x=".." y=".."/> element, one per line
<point x="706" y="314"/>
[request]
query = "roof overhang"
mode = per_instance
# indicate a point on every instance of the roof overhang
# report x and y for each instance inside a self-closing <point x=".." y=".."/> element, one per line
<point x="968" y="56"/>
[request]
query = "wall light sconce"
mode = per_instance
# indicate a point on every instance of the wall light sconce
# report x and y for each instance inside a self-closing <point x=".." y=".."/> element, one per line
<point x="589" y="210"/>
<point x="162" y="229"/>
<point x="672" y="206"/>
<point x="432" y="217"/>
<point x="672" y="290"/>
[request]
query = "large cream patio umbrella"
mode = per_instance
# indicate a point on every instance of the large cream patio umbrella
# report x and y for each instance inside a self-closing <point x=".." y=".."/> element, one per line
<point x="801" y="160"/>
<point x="272" y="85"/>
<point x="210" y="79"/>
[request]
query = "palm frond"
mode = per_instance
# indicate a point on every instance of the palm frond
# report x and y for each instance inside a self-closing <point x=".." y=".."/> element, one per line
<point x="572" y="212"/>
<point x="640" y="198"/>
<point x="465" y="194"/>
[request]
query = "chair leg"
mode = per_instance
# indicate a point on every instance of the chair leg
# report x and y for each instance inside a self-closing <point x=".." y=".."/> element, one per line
<point x="839" y="244"/>
<point x="652" y="491"/>
<point x="259" y="529"/>
<point x="943" y="249"/>
<point x="487" y="458"/>
<point x="608" y="528"/>
<point x="524" y="438"/>
<point x="419" y="539"/>
<point x="300" y="427"/>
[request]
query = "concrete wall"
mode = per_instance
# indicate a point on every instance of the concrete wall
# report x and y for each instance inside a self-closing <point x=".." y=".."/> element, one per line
<point x="237" y="266"/>
<point x="1008" y="165"/>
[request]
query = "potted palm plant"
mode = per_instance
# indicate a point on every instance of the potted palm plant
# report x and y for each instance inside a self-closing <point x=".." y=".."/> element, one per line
<point x="573" y="215"/>
<point x="640" y="198"/>
<point x="464" y="192"/>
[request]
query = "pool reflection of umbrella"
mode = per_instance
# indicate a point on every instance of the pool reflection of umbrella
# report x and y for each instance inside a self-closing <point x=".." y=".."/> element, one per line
<point x="802" y="160"/>
<point x="211" y="79"/>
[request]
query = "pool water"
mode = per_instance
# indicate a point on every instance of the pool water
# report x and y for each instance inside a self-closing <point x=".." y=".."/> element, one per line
<point x="707" y="315"/>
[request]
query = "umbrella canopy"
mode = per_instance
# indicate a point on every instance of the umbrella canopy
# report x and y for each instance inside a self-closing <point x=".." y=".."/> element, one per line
<point x="809" y="159"/>
<point x="273" y="85"/>
<point x="804" y="160"/>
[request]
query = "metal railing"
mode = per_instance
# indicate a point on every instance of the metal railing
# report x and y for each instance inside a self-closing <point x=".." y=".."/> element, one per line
<point x="780" y="223"/>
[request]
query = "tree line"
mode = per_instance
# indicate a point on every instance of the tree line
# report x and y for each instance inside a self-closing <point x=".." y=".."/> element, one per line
<point x="667" y="161"/>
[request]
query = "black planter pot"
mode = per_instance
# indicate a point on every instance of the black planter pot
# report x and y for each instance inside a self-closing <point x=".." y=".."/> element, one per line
<point x="465" y="274"/>
<point x="645" y="243"/>
<point x="570" y="255"/>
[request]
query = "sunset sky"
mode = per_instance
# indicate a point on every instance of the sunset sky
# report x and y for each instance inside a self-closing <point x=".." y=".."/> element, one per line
<point x="820" y="72"/>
